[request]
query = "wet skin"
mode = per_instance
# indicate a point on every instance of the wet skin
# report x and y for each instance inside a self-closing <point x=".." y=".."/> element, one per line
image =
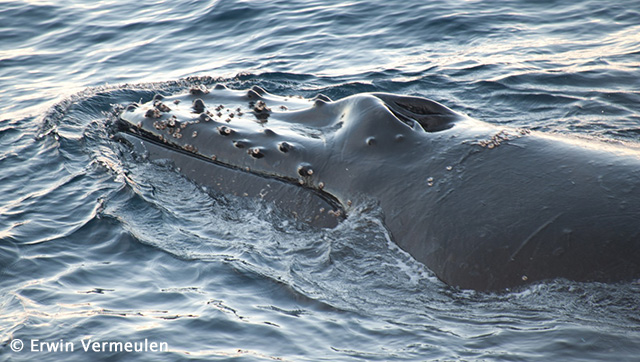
<point x="484" y="207"/>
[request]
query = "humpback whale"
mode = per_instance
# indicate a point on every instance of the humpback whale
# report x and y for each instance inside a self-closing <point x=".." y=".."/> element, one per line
<point x="485" y="207"/>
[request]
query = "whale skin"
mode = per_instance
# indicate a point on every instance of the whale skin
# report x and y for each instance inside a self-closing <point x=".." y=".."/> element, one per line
<point x="485" y="207"/>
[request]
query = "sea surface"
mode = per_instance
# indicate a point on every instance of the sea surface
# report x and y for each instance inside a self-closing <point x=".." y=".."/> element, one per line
<point x="96" y="245"/>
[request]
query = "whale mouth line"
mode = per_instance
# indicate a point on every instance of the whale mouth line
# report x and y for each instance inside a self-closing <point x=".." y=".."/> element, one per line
<point x="146" y="136"/>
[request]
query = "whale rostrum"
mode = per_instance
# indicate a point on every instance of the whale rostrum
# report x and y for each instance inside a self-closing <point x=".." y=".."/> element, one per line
<point x="485" y="207"/>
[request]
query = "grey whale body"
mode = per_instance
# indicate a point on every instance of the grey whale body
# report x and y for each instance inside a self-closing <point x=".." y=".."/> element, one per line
<point x="484" y="207"/>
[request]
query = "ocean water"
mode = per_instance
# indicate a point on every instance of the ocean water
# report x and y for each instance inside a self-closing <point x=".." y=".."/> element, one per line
<point x="96" y="245"/>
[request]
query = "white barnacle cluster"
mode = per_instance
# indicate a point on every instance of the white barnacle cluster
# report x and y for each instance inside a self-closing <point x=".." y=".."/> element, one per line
<point x="189" y="148"/>
<point x="172" y="126"/>
<point x="430" y="181"/>
<point x="153" y="113"/>
<point x="336" y="213"/>
<point x="502" y="136"/>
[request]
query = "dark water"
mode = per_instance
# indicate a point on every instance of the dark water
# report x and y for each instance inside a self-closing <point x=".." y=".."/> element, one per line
<point x="95" y="244"/>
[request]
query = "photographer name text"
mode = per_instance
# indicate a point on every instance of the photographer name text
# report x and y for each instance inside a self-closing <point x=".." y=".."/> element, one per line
<point x="89" y="345"/>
